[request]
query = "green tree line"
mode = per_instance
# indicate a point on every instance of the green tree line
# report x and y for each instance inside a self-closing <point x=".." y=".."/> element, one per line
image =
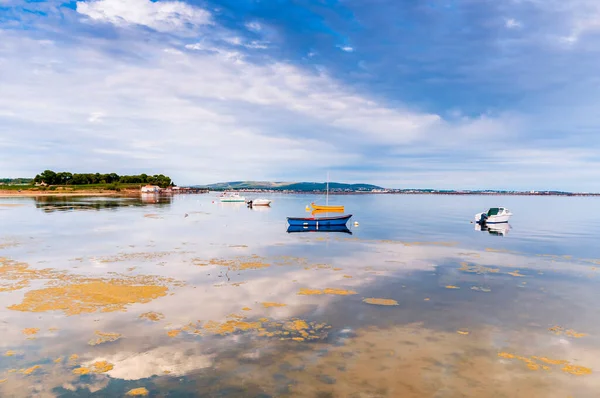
<point x="16" y="180"/>
<point x="65" y="178"/>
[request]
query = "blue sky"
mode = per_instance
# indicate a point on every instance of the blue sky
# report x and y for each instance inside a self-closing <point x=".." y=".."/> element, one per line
<point x="401" y="93"/>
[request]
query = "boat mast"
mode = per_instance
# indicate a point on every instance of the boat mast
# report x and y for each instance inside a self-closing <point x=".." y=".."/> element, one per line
<point x="327" y="197"/>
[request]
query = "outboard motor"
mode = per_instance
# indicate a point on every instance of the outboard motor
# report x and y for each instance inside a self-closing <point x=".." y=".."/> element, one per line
<point x="483" y="218"/>
<point x="249" y="203"/>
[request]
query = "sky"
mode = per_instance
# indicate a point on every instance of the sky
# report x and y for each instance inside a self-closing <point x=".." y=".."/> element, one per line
<point x="447" y="94"/>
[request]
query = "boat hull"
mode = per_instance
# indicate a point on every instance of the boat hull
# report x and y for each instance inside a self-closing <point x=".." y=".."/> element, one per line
<point x="330" y="228"/>
<point x="482" y="218"/>
<point x="318" y="222"/>
<point x="330" y="208"/>
<point x="261" y="202"/>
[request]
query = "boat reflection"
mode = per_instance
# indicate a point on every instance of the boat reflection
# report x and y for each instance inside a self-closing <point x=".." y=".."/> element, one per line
<point x="494" y="229"/>
<point x="329" y="228"/>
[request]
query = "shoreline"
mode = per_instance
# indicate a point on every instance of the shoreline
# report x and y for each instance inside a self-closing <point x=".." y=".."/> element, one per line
<point x="28" y="194"/>
<point x="136" y="193"/>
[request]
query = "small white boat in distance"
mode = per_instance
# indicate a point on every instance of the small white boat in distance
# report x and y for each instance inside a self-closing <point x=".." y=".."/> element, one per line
<point x="259" y="202"/>
<point x="494" y="215"/>
<point x="228" y="197"/>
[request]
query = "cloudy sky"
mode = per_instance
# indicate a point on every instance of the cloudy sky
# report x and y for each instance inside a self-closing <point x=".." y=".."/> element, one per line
<point x="501" y="94"/>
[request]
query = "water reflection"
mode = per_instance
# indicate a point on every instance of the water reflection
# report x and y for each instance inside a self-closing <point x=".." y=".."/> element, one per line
<point x="327" y="228"/>
<point x="99" y="304"/>
<point x="51" y="204"/>
<point x="494" y="229"/>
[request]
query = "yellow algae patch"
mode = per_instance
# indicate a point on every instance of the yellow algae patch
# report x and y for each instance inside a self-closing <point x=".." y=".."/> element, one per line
<point x="452" y="287"/>
<point x="348" y="276"/>
<point x="426" y="299"/>
<point x="173" y="333"/>
<point x="139" y="256"/>
<point x="74" y="357"/>
<point x="463" y="332"/>
<point x="30" y="331"/>
<point x="3" y="381"/>
<point x="81" y="371"/>
<point x="337" y="269"/>
<point x="572" y="333"/>
<point x="490" y="250"/>
<point x="506" y="355"/>
<point x="531" y="363"/>
<point x="380" y="301"/>
<point x="338" y="292"/>
<point x="102" y="366"/>
<point x="515" y="273"/>
<point x="329" y="290"/>
<point x="152" y="316"/>
<point x="238" y="263"/>
<point x="551" y="361"/>
<point x="58" y="360"/>
<point x="269" y="304"/>
<point x="558" y="330"/>
<point x="138" y="392"/>
<point x="309" y="292"/>
<point x="231" y="326"/>
<point x="246" y="309"/>
<point x="104" y="338"/>
<point x="16" y="276"/>
<point x="9" y="353"/>
<point x="30" y="370"/>
<point x="478" y="269"/>
<point x="576" y="370"/>
<point x="81" y="298"/>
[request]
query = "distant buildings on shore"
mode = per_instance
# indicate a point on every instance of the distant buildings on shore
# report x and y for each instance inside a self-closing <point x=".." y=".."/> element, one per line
<point x="414" y="192"/>
<point x="155" y="189"/>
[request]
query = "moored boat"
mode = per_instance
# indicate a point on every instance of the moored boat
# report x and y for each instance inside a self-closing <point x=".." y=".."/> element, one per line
<point x="228" y="197"/>
<point x="318" y="221"/>
<point x="259" y="202"/>
<point x="327" y="208"/>
<point x="314" y="212"/>
<point x="494" y="215"/>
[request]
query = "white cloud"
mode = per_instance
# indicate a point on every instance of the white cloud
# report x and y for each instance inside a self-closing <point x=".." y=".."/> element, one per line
<point x="185" y="111"/>
<point x="512" y="23"/>
<point x="254" y="26"/>
<point x="96" y="117"/>
<point x="347" y="49"/>
<point x="163" y="16"/>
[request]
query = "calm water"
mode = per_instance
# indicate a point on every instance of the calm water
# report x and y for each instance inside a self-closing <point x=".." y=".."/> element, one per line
<point x="184" y="297"/>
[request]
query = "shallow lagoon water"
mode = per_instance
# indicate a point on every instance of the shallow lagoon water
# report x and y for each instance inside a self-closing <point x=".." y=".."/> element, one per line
<point x="185" y="297"/>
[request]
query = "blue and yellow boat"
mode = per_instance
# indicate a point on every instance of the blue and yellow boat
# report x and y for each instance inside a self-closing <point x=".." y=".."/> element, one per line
<point x="318" y="221"/>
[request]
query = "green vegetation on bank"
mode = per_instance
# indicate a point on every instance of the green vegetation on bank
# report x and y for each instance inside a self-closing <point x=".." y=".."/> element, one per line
<point x="97" y="180"/>
<point x="17" y="181"/>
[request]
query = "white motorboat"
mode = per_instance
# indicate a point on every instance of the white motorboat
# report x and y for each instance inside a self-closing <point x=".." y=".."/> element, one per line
<point x="494" y="215"/>
<point x="229" y="197"/>
<point x="259" y="202"/>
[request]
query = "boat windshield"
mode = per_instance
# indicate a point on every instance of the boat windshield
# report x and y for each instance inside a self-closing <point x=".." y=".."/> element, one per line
<point x="493" y="211"/>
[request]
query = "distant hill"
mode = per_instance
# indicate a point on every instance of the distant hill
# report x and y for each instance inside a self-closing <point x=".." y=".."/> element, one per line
<point x="290" y="186"/>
